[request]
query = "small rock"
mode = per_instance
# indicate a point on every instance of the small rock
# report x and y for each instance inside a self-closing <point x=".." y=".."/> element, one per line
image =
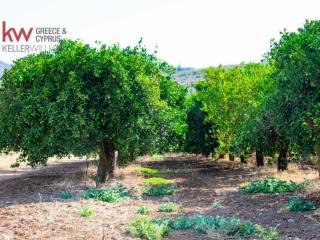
<point x="290" y="220"/>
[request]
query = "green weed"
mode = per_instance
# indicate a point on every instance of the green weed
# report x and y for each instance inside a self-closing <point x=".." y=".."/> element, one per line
<point x="143" y="210"/>
<point x="200" y="224"/>
<point x="65" y="195"/>
<point x="160" y="189"/>
<point x="157" y="157"/>
<point x="266" y="233"/>
<point x="216" y="204"/>
<point x="168" y="207"/>
<point x="156" y="180"/>
<point x="299" y="204"/>
<point x="270" y="184"/>
<point x="113" y="193"/>
<point x="143" y="227"/>
<point x="147" y="170"/>
<point x="86" y="211"/>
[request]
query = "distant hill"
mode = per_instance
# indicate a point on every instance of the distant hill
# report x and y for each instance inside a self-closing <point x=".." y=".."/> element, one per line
<point x="187" y="76"/>
<point x="3" y="66"/>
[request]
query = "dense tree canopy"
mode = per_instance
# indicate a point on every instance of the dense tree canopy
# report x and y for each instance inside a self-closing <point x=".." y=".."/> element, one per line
<point x="77" y="99"/>
<point x="199" y="137"/>
<point x="230" y="94"/>
<point x="296" y="60"/>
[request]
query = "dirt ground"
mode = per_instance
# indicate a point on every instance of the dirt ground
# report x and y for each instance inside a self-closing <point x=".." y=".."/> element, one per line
<point x="30" y="207"/>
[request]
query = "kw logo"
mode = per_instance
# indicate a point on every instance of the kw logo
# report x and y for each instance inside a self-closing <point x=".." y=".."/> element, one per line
<point x="12" y="32"/>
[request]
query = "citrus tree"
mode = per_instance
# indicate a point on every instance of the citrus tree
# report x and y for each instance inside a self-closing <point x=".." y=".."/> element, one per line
<point x="199" y="137"/>
<point x="296" y="60"/>
<point x="231" y="93"/>
<point x="77" y="99"/>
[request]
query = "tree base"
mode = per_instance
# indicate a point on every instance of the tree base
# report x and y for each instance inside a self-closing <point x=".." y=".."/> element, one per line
<point x="107" y="162"/>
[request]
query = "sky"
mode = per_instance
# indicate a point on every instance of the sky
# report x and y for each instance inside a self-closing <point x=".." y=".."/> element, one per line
<point x="189" y="33"/>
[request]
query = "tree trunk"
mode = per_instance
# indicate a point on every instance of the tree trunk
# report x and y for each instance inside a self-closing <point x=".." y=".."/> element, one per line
<point x="221" y="155"/>
<point x="259" y="158"/>
<point x="282" y="160"/>
<point x="318" y="158"/>
<point x="107" y="161"/>
<point x="243" y="159"/>
<point x="231" y="157"/>
<point x="132" y="156"/>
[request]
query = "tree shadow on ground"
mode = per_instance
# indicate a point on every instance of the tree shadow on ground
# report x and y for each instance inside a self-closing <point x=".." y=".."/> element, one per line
<point x="43" y="185"/>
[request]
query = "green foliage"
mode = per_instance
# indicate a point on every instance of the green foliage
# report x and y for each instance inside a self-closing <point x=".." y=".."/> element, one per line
<point x="156" y="180"/>
<point x="143" y="210"/>
<point x="143" y="227"/>
<point x="267" y="233"/>
<point x="86" y="211"/>
<point x="299" y="204"/>
<point x="203" y="223"/>
<point x="148" y="170"/>
<point x="168" y="207"/>
<point x="173" y="117"/>
<point x="70" y="99"/>
<point x="198" y="137"/>
<point x="112" y="193"/>
<point x="295" y="59"/>
<point x="287" y="115"/>
<point x="270" y="184"/>
<point x="65" y="195"/>
<point x="229" y="95"/>
<point x="200" y="224"/>
<point x="160" y="190"/>
<point x="157" y="157"/>
<point x="216" y="204"/>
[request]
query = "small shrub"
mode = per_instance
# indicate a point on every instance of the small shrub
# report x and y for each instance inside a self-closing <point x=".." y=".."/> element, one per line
<point x="168" y="207"/>
<point x="113" y="193"/>
<point x="204" y="223"/>
<point x="216" y="204"/>
<point x="65" y="195"/>
<point x="181" y="222"/>
<point x="160" y="190"/>
<point x="299" y="204"/>
<point x="143" y="227"/>
<point x="200" y="224"/>
<point x="267" y="233"/>
<point x="270" y="184"/>
<point x="164" y="219"/>
<point x="147" y="170"/>
<point x="156" y="180"/>
<point x="86" y="211"/>
<point x="143" y="210"/>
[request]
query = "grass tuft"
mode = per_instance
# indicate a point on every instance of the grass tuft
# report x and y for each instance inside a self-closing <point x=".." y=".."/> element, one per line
<point x="112" y="193"/>
<point x="147" y="170"/>
<point x="86" y="211"/>
<point x="156" y="180"/>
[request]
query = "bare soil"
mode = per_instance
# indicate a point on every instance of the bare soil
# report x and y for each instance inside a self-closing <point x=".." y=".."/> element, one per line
<point x="30" y="207"/>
